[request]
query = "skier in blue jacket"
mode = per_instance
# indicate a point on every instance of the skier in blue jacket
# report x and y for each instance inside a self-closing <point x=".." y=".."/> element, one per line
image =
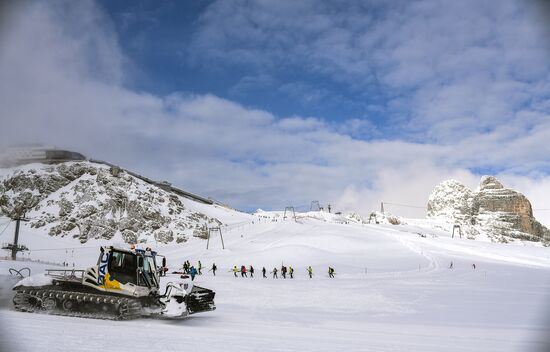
<point x="192" y="272"/>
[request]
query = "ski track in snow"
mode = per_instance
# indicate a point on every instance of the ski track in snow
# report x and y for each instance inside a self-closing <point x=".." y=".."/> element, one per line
<point x="393" y="292"/>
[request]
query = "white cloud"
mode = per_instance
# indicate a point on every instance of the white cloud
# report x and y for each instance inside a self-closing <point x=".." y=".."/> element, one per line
<point x="476" y="63"/>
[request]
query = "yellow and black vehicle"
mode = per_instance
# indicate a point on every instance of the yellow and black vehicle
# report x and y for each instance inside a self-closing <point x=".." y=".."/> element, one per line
<point x="125" y="284"/>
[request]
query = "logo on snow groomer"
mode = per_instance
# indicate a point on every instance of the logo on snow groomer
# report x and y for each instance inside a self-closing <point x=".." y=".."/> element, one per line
<point x="103" y="268"/>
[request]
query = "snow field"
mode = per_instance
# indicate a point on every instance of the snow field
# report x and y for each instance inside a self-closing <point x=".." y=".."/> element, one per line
<point x="406" y="300"/>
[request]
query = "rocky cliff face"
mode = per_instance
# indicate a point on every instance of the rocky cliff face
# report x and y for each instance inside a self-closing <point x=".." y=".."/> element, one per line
<point x="500" y="213"/>
<point x="86" y="200"/>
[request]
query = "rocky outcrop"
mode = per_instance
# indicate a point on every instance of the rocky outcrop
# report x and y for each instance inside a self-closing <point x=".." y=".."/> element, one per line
<point x="85" y="200"/>
<point x="377" y="217"/>
<point x="500" y="213"/>
<point x="451" y="199"/>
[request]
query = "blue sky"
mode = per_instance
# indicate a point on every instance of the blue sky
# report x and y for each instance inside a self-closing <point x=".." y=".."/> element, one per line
<point x="271" y="103"/>
<point x="161" y="39"/>
<point x="368" y="62"/>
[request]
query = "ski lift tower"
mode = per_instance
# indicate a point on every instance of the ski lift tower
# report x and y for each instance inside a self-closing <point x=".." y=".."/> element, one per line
<point x="457" y="227"/>
<point x="15" y="246"/>
<point x="315" y="206"/>
<point x="210" y="231"/>
<point x="290" y="209"/>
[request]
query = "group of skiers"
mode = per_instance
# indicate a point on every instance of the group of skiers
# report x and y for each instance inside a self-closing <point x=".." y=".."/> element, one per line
<point x="192" y="271"/>
<point x="284" y="271"/>
<point x="245" y="271"/>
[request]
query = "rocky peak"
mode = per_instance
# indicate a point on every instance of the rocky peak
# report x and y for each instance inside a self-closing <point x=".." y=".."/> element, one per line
<point x="450" y="199"/>
<point x="86" y="200"/>
<point x="489" y="182"/>
<point x="499" y="212"/>
<point x="492" y="198"/>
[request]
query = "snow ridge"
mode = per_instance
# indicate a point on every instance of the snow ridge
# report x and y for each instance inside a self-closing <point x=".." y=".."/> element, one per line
<point x="85" y="200"/>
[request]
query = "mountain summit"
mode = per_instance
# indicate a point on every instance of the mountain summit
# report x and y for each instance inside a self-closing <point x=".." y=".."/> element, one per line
<point x="500" y="213"/>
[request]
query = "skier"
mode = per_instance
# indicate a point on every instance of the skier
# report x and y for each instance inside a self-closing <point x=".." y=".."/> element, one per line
<point x="214" y="268"/>
<point x="310" y="271"/>
<point x="451" y="266"/>
<point x="474" y="265"/>
<point x="263" y="272"/>
<point x="283" y="271"/>
<point x="330" y="272"/>
<point x="235" y="270"/>
<point x="275" y="273"/>
<point x="200" y="268"/>
<point x="185" y="268"/>
<point x="243" y="271"/>
<point x="291" y="272"/>
<point x="251" y="271"/>
<point x="193" y="272"/>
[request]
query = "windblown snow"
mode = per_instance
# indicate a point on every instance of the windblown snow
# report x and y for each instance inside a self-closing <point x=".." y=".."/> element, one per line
<point x="393" y="291"/>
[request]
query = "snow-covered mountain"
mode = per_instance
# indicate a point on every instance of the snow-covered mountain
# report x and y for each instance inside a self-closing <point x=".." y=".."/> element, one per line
<point x="95" y="200"/>
<point x="88" y="200"/>
<point x="502" y="214"/>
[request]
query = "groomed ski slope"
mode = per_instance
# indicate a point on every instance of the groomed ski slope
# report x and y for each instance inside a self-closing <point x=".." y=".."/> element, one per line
<point x="393" y="291"/>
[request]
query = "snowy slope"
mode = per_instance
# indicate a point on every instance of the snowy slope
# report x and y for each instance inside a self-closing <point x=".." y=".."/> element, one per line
<point x="87" y="201"/>
<point x="393" y="292"/>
